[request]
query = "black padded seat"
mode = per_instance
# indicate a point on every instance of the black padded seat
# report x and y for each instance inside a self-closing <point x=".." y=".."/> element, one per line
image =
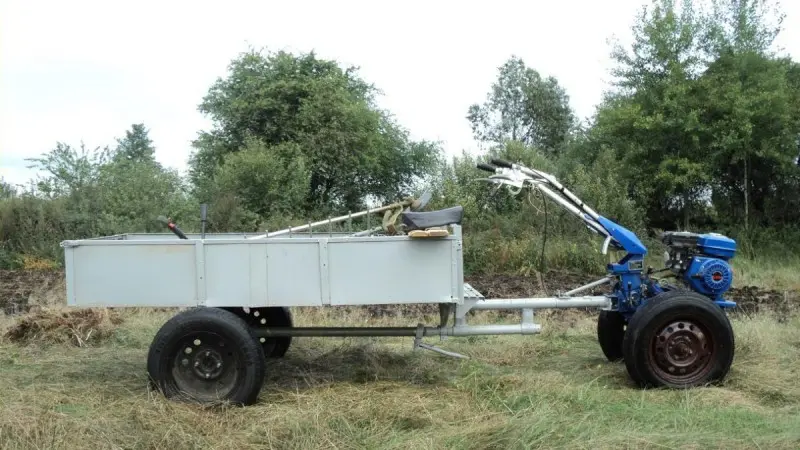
<point x="429" y="219"/>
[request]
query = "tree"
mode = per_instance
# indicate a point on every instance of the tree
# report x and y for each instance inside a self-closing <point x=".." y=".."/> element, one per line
<point x="351" y="149"/>
<point x="136" y="145"/>
<point x="523" y="106"/>
<point x="652" y="119"/>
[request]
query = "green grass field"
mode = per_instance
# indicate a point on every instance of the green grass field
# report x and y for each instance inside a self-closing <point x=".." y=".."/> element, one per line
<point x="553" y="390"/>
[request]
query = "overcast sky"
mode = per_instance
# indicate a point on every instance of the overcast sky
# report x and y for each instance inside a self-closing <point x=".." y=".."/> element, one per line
<point x="86" y="70"/>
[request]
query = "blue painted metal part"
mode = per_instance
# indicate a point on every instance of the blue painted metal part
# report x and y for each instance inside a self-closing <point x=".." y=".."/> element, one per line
<point x="629" y="269"/>
<point x="717" y="245"/>
<point x="710" y="275"/>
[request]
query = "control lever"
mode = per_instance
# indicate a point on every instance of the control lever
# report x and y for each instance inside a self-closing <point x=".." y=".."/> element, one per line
<point x="174" y="228"/>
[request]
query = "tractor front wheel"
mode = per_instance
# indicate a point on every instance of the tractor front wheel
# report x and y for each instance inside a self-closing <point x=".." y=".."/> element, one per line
<point x="610" y="334"/>
<point x="679" y="339"/>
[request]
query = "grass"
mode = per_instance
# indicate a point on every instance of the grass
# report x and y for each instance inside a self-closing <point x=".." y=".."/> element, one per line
<point x="769" y="273"/>
<point x="549" y="391"/>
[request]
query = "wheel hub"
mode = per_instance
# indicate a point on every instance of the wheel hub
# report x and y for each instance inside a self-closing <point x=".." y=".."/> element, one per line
<point x="205" y="366"/>
<point x="682" y="350"/>
<point x="208" y="364"/>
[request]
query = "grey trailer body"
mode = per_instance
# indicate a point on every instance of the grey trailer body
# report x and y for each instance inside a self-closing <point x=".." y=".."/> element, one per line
<point x="158" y="270"/>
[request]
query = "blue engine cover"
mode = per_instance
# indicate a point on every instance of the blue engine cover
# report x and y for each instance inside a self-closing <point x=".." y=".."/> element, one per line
<point x="709" y="276"/>
<point x="713" y="244"/>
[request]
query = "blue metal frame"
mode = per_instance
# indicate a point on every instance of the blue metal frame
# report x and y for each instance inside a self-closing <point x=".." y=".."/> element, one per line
<point x="633" y="289"/>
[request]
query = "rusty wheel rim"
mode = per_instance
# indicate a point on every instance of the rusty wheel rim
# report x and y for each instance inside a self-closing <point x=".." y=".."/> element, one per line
<point x="682" y="352"/>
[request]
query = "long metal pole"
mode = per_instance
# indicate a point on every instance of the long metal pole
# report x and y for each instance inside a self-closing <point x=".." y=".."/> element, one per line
<point x="331" y="221"/>
<point x="543" y="303"/>
<point x="461" y="330"/>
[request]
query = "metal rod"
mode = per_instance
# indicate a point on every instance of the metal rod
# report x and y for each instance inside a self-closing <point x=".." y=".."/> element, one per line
<point x="461" y="330"/>
<point x="343" y="331"/>
<point x="599" y="282"/>
<point x="367" y="232"/>
<point x="475" y="330"/>
<point x="203" y="219"/>
<point x="309" y="226"/>
<point x="544" y="302"/>
<point x="560" y="187"/>
<point x="572" y="208"/>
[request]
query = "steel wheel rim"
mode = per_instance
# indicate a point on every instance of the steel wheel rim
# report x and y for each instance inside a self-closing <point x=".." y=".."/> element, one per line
<point x="682" y="351"/>
<point x="205" y="366"/>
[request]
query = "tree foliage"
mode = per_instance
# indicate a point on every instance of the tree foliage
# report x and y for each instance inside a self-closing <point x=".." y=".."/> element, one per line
<point x="700" y="130"/>
<point x="522" y="106"/>
<point x="351" y="149"/>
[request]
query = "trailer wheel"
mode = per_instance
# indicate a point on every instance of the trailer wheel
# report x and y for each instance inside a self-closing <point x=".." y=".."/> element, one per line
<point x="271" y="316"/>
<point x="280" y="317"/>
<point x="610" y="333"/>
<point x="679" y="339"/>
<point x="207" y="355"/>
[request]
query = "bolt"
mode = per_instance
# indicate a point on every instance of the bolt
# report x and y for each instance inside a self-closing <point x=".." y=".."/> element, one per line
<point x="208" y="375"/>
<point x="219" y="364"/>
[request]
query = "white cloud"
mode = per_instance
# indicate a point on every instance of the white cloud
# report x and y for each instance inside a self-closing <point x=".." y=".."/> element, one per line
<point x="86" y="70"/>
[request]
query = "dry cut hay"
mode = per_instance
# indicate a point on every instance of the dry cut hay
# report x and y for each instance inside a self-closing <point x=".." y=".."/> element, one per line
<point x="80" y="327"/>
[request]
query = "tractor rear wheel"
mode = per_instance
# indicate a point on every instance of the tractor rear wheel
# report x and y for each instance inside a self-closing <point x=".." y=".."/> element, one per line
<point x="679" y="339"/>
<point x="207" y="355"/>
<point x="610" y="334"/>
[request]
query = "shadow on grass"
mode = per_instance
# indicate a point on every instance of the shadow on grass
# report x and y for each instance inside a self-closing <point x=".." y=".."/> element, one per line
<point x="306" y="367"/>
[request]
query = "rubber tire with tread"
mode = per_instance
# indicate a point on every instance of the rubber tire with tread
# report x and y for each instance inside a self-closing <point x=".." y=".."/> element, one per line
<point x="277" y="316"/>
<point x="232" y="327"/>
<point x="280" y="317"/>
<point x="610" y="334"/>
<point x="670" y="306"/>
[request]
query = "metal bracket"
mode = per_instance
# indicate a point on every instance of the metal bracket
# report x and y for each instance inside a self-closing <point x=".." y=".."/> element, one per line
<point x="419" y="344"/>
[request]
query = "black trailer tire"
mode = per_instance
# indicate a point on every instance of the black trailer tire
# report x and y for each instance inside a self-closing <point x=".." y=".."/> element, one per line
<point x="279" y="317"/>
<point x="265" y="317"/>
<point x="610" y="334"/>
<point x="679" y="339"/>
<point x="207" y="355"/>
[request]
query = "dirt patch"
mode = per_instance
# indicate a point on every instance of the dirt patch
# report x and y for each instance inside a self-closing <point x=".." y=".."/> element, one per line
<point x="79" y="327"/>
<point x="21" y="290"/>
<point x="752" y="299"/>
<point x="546" y="285"/>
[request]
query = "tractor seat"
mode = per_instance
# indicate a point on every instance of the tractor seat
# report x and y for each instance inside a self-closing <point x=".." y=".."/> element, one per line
<point x="429" y="219"/>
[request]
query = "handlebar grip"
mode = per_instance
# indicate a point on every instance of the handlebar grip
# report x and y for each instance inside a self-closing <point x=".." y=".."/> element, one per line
<point x="172" y="227"/>
<point x="501" y="163"/>
<point x="487" y="167"/>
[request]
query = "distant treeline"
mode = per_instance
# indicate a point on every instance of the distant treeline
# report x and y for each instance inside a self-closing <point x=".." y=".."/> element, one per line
<point x="700" y="130"/>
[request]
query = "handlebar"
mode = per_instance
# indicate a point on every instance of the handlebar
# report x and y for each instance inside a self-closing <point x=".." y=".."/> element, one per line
<point x="487" y="167"/>
<point x="502" y="163"/>
<point x="518" y="175"/>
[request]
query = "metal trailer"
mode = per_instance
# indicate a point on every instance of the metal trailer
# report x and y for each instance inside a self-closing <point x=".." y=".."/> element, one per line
<point x="237" y="289"/>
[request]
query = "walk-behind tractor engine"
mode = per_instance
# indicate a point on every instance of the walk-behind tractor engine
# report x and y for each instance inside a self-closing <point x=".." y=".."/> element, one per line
<point x="236" y="291"/>
<point x="701" y="262"/>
